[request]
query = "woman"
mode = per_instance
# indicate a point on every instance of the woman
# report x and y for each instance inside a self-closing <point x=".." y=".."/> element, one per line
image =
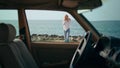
<point x="66" y="27"/>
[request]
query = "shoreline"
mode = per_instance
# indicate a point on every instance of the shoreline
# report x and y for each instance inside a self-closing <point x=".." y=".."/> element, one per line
<point x="52" y="38"/>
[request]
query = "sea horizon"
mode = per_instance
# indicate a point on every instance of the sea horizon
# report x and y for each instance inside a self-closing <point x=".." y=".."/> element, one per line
<point x="105" y="27"/>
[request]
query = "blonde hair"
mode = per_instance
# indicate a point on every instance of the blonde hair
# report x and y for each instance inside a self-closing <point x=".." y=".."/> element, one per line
<point x="66" y="18"/>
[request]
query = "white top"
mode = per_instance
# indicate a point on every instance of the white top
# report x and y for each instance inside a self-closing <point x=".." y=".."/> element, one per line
<point x="66" y="24"/>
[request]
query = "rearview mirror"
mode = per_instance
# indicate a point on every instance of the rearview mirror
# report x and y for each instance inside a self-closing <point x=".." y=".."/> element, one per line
<point x="80" y="4"/>
<point x="70" y="3"/>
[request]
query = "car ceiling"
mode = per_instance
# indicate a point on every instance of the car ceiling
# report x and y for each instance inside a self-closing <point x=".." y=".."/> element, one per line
<point x="47" y="4"/>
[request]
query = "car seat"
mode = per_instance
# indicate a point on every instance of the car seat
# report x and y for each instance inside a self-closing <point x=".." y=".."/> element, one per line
<point x="13" y="52"/>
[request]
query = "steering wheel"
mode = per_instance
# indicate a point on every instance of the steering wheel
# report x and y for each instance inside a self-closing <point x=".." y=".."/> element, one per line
<point x="83" y="51"/>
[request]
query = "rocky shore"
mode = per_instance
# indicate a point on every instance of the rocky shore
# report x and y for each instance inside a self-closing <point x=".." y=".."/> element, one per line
<point x="52" y="38"/>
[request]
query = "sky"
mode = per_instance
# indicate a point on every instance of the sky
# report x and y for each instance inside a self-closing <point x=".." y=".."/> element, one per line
<point x="109" y="11"/>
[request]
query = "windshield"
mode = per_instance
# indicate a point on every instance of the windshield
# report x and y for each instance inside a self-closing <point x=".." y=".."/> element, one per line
<point x="49" y="26"/>
<point x="106" y="19"/>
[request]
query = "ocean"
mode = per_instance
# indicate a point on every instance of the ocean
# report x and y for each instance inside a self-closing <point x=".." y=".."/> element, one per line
<point x="54" y="27"/>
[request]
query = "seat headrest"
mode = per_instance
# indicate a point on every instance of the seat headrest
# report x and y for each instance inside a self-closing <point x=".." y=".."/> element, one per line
<point x="7" y="33"/>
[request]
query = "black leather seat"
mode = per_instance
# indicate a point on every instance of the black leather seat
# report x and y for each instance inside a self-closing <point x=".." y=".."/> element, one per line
<point x="13" y="53"/>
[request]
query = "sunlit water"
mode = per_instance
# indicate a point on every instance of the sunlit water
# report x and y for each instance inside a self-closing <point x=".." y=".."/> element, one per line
<point x="110" y="28"/>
